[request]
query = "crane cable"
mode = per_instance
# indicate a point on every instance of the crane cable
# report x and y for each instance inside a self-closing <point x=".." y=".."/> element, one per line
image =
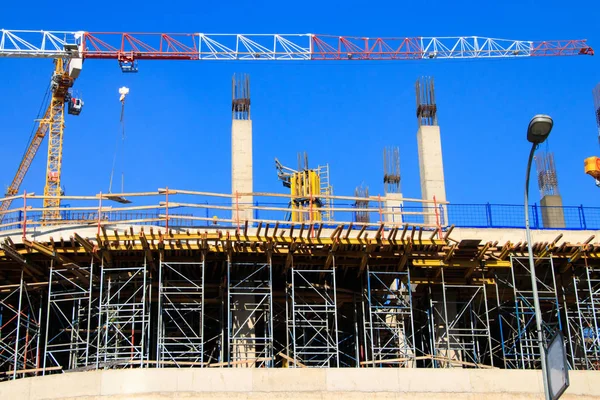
<point x="36" y="121"/>
<point x="124" y="91"/>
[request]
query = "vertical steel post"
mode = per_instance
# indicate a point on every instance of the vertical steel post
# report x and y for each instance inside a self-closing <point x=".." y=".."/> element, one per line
<point x="356" y="338"/>
<point x="102" y="330"/>
<point x="371" y="333"/>
<point x="445" y="314"/>
<point x="337" y="339"/>
<point x="19" y="312"/>
<point x="412" y="321"/>
<point x="593" y="305"/>
<point x="293" y="319"/>
<point x="229" y="322"/>
<point x="47" y="317"/>
<point x="144" y="322"/>
<point x="202" y="313"/>
<point x="271" y="353"/>
<point x="37" y="344"/>
<point x="159" y="319"/>
<point x="89" y="314"/>
<point x="487" y="320"/>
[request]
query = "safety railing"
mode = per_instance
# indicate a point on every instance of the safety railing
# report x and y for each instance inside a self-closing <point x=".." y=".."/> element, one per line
<point x="512" y="216"/>
<point x="180" y="208"/>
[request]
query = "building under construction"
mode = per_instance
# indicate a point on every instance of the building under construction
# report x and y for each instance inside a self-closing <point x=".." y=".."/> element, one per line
<point x="178" y="279"/>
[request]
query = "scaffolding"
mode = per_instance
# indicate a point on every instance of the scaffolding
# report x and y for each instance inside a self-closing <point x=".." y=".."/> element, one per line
<point x="123" y="316"/>
<point x="312" y="317"/>
<point x="250" y="314"/>
<point x="20" y="317"/>
<point x="517" y="314"/>
<point x="326" y="190"/>
<point x="460" y="325"/>
<point x="180" y="336"/>
<point x="388" y="324"/>
<point x="583" y="319"/>
<point x="69" y="338"/>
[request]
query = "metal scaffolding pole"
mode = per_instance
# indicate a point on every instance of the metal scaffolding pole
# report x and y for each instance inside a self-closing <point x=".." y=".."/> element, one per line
<point x="19" y="331"/>
<point x="583" y="319"/>
<point x="389" y="326"/>
<point x="180" y="332"/>
<point x="313" y="319"/>
<point x="462" y="322"/>
<point x="517" y="316"/>
<point x="250" y="314"/>
<point x="68" y="340"/>
<point x="124" y="316"/>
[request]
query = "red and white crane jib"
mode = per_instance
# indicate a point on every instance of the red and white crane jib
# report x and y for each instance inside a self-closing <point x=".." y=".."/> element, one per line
<point x="128" y="48"/>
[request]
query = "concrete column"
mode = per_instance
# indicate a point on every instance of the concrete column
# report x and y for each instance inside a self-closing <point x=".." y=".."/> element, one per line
<point x="243" y="323"/>
<point x="393" y="204"/>
<point x="431" y="168"/>
<point x="553" y="215"/>
<point x="449" y="313"/>
<point x="241" y="168"/>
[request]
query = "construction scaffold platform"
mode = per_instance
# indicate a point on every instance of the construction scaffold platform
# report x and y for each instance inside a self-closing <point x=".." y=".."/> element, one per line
<point x="177" y="281"/>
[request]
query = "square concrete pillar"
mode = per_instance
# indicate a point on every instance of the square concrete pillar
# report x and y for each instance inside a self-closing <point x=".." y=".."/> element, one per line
<point x="393" y="205"/>
<point x="431" y="169"/>
<point x="553" y="215"/>
<point x="241" y="169"/>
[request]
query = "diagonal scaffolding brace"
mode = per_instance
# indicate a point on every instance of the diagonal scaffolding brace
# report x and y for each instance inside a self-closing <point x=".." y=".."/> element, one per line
<point x="250" y="314"/>
<point x="389" y="324"/>
<point x="180" y="337"/>
<point x="312" y="318"/>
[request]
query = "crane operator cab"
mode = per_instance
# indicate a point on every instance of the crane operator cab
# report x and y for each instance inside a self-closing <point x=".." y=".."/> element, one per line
<point x="75" y="105"/>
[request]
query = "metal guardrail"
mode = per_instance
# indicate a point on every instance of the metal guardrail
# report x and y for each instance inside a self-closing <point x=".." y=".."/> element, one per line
<point x="512" y="216"/>
<point x="182" y="208"/>
<point x="209" y="209"/>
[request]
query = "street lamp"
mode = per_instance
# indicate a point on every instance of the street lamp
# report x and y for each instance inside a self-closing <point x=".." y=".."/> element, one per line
<point x="537" y="132"/>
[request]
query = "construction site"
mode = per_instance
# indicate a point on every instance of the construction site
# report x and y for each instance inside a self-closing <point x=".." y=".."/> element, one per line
<point x="184" y="279"/>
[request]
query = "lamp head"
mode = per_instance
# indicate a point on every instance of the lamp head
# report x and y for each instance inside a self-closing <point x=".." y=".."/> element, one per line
<point x="539" y="128"/>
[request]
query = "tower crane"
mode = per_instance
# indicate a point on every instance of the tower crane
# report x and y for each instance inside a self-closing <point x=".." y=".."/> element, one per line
<point x="52" y="124"/>
<point x="70" y="48"/>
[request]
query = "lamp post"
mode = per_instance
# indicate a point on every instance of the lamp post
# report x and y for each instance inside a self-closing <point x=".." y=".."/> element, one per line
<point x="537" y="132"/>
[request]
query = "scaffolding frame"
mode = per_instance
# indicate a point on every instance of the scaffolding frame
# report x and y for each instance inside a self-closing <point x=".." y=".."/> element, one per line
<point x="250" y="295"/>
<point x="461" y="336"/>
<point x="180" y="332"/>
<point x="20" y="325"/>
<point x="389" y="325"/>
<point x="123" y="316"/>
<point x="583" y="319"/>
<point x="312" y="322"/>
<point x="70" y="304"/>
<point x="518" y="330"/>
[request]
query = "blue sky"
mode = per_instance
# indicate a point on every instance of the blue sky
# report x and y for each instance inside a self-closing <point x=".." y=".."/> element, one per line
<point x="341" y="113"/>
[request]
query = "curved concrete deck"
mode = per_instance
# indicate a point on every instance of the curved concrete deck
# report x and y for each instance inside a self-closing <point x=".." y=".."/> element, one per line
<point x="380" y="383"/>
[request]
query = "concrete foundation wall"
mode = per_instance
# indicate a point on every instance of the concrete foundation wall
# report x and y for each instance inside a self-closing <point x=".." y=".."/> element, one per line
<point x="241" y="167"/>
<point x="366" y="383"/>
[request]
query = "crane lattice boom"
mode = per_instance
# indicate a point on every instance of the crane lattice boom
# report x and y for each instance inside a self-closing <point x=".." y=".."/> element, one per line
<point x="201" y="46"/>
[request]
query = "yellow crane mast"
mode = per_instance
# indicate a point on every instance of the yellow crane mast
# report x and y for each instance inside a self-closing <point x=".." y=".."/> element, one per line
<point x="61" y="82"/>
<point x="53" y="123"/>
